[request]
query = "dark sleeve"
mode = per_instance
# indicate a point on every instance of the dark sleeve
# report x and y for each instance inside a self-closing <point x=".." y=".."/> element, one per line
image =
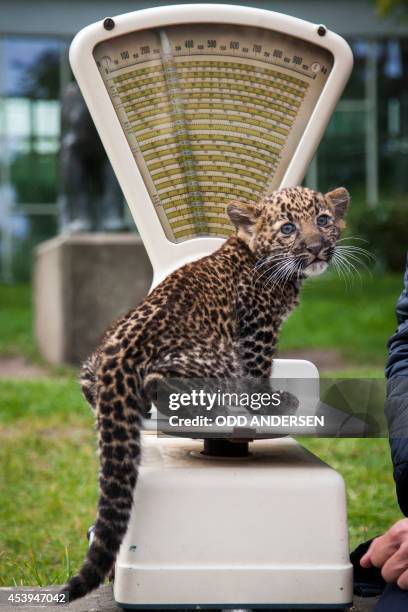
<point x="396" y="406"/>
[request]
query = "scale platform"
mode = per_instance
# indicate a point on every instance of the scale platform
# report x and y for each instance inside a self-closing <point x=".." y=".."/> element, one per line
<point x="267" y="529"/>
<point x="198" y="105"/>
<point x="264" y="531"/>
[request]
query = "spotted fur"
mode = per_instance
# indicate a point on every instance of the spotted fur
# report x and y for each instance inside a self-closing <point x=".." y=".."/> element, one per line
<point x="216" y="317"/>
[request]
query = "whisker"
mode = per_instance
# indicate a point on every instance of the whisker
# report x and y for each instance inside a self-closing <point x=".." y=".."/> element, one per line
<point x="349" y="265"/>
<point x="358" y="261"/>
<point x="356" y="249"/>
<point x="338" y="270"/>
<point x="274" y="260"/>
<point x="347" y="258"/>
<point x="274" y="265"/>
<point x="343" y="271"/>
<point x="277" y="273"/>
<point x="353" y="255"/>
<point x="285" y="271"/>
<point x="352" y="238"/>
<point x="277" y="277"/>
<point x="265" y="260"/>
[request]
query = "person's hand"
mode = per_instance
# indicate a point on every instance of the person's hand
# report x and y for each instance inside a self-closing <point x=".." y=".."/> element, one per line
<point x="390" y="553"/>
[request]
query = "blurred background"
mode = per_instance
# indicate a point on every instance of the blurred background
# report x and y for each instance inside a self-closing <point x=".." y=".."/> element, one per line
<point x="47" y="441"/>
<point x="365" y="146"/>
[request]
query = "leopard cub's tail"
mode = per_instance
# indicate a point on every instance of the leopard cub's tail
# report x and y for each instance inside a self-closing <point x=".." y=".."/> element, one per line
<point x="119" y="421"/>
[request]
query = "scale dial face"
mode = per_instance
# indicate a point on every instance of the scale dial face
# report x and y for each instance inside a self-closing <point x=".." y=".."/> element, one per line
<point x="211" y="113"/>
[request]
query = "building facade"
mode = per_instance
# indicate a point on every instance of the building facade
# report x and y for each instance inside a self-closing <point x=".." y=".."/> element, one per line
<point x="365" y="147"/>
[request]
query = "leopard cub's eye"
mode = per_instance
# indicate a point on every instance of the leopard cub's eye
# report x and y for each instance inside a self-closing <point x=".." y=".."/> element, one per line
<point x="322" y="220"/>
<point x="288" y="228"/>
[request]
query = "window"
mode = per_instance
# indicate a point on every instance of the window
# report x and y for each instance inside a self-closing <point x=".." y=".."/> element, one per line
<point x="29" y="137"/>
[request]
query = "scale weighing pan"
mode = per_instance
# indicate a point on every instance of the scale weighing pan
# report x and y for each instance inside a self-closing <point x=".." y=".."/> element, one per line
<point x="197" y="105"/>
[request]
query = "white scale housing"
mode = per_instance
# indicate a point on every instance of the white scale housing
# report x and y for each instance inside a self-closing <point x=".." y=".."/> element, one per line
<point x="197" y="105"/>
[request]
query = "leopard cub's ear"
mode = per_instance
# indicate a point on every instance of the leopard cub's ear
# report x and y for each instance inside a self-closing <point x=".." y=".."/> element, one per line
<point x="243" y="215"/>
<point x="340" y="199"/>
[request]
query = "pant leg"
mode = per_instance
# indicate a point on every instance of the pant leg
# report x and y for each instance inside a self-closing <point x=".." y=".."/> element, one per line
<point x="393" y="599"/>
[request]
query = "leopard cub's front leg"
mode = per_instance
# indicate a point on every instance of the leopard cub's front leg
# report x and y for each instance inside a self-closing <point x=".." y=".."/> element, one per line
<point x="259" y="324"/>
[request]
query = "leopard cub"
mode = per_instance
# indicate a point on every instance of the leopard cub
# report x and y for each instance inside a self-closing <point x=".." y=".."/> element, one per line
<point x="218" y="317"/>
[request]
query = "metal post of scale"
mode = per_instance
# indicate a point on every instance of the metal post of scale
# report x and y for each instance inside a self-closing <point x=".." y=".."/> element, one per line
<point x="371" y="125"/>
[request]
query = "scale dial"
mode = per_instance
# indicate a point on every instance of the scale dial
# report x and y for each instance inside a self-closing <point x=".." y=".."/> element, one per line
<point x="211" y="113"/>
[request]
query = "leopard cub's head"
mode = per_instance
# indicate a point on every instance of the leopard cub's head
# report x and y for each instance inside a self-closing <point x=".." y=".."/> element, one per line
<point x="295" y="229"/>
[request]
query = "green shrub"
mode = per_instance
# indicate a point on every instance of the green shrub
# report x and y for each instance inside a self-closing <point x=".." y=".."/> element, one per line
<point x="385" y="228"/>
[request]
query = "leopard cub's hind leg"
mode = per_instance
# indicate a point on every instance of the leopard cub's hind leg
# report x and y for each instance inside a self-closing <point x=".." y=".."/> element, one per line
<point x="88" y="380"/>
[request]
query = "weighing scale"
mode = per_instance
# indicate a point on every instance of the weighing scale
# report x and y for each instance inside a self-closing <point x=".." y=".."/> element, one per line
<point x="197" y="105"/>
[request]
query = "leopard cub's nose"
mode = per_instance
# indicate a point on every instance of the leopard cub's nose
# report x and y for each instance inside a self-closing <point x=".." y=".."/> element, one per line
<point x="314" y="249"/>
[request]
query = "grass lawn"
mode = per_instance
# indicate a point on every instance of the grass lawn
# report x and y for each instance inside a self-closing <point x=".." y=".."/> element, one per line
<point x="47" y="480"/>
<point x="16" y="335"/>
<point x="356" y="319"/>
<point x="48" y="467"/>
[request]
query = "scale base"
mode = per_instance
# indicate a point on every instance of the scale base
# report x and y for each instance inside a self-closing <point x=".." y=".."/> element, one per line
<point x="266" y="530"/>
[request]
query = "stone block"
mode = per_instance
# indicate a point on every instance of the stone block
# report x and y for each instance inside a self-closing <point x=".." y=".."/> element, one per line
<point x="82" y="284"/>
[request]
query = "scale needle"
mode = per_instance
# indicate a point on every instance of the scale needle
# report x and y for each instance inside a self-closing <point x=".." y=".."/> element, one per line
<point x="186" y="155"/>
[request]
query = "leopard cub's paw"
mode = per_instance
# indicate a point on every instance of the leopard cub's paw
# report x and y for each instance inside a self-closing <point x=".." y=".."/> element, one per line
<point x="289" y="403"/>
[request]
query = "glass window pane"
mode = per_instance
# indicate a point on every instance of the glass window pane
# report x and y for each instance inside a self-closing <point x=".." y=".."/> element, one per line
<point x="32" y="118"/>
<point x="17" y="118"/>
<point x="32" y="67"/>
<point x="341" y="154"/>
<point x="30" y="136"/>
<point x="47" y="118"/>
